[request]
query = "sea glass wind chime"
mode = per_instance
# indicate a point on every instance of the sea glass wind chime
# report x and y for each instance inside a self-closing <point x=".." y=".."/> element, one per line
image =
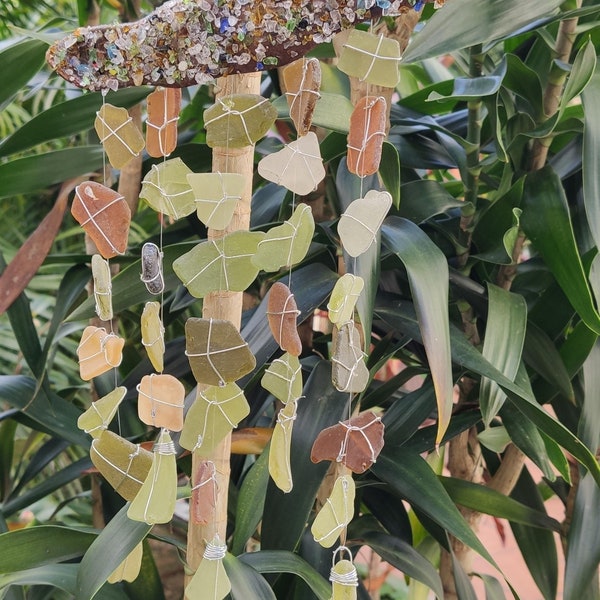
<point x="180" y="44"/>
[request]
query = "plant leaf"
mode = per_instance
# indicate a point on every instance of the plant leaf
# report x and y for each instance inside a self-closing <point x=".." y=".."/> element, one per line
<point x="246" y="582"/>
<point x="428" y="277"/>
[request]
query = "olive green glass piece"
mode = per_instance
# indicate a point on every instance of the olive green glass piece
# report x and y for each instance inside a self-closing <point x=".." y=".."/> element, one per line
<point x="283" y="378"/>
<point x="336" y="513"/>
<point x="98" y="416"/>
<point x="343" y="299"/>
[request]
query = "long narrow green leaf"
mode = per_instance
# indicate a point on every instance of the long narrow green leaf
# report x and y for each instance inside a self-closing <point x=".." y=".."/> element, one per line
<point x="246" y="582"/>
<point x="490" y="502"/>
<point x="42" y="545"/>
<point x="502" y="346"/>
<point x="389" y="170"/>
<point x="107" y="552"/>
<point x="412" y="478"/>
<point x="280" y="561"/>
<point x="581" y="73"/>
<point x="428" y="277"/>
<point x="33" y="173"/>
<point x="18" y="64"/>
<point x="546" y="222"/>
<point x="463" y="23"/>
<point x="405" y="558"/>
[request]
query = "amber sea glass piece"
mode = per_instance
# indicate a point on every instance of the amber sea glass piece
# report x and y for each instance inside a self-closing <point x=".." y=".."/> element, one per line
<point x="366" y="135"/>
<point x="98" y="352"/>
<point x="101" y="277"/>
<point x="360" y="223"/>
<point x="282" y="313"/>
<point x="349" y="371"/>
<point x="302" y="80"/>
<point x="204" y="493"/>
<point x="99" y="415"/>
<point x="238" y="120"/>
<point x="119" y="135"/>
<point x="153" y="334"/>
<point x="104" y="216"/>
<point x="217" y="352"/>
<point x="356" y="443"/>
<point x="371" y="58"/>
<point x="152" y="269"/>
<point x="166" y="189"/>
<point x="123" y="464"/>
<point x="298" y="166"/>
<point x="164" y="105"/>
<point x="160" y="401"/>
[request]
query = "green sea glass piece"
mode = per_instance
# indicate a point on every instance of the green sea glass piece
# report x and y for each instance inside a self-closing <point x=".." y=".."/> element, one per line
<point x="98" y="416"/>
<point x="371" y="58"/>
<point x="102" y="287"/>
<point x="336" y="513"/>
<point x="343" y="299"/>
<point x="287" y="244"/>
<point x="216" y="411"/>
<point x="349" y="371"/>
<point x="238" y="120"/>
<point x="344" y="580"/>
<point x="130" y="568"/>
<point x="155" y="502"/>
<point x="283" y="378"/>
<point x="216" y="196"/>
<point x="280" y="467"/>
<point x="153" y="334"/>
<point x="224" y="264"/>
<point x="124" y="465"/>
<point x="210" y="581"/>
<point x="166" y="189"/>
<point x="298" y="166"/>
<point x="359" y="224"/>
<point x="217" y="352"/>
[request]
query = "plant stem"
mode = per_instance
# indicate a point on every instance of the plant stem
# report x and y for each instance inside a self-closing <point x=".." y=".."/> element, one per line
<point x="225" y="305"/>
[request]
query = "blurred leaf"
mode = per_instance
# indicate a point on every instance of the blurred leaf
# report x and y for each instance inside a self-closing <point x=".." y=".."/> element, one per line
<point x="33" y="173"/>
<point x="120" y="536"/>
<point x="405" y="558"/>
<point x="581" y="74"/>
<point x="428" y="277"/>
<point x="246" y="582"/>
<point x="546" y="222"/>
<point x="463" y="23"/>
<point x="493" y="588"/>
<point x="280" y="561"/>
<point x="466" y="88"/>
<point x="18" y="64"/>
<point x="490" y="502"/>
<point x="424" y="199"/>
<point x="502" y="345"/>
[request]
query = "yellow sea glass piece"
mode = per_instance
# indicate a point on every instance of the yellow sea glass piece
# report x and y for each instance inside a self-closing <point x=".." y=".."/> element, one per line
<point x="123" y="464"/>
<point x="359" y="224"/>
<point x="217" y="352"/>
<point x="130" y="568"/>
<point x="160" y="401"/>
<point x="121" y="138"/>
<point x="98" y="352"/>
<point x="238" y="120"/>
<point x="166" y="189"/>
<point x="344" y="578"/>
<point x="216" y="196"/>
<point x="210" y="581"/>
<point x="155" y="502"/>
<point x="371" y="58"/>
<point x="223" y="264"/>
<point x="349" y="371"/>
<point x="214" y="413"/>
<point x="101" y="277"/>
<point x="336" y="513"/>
<point x="99" y="415"/>
<point x="298" y="166"/>
<point x="153" y="334"/>
<point x="283" y="378"/>
<point x="280" y="467"/>
<point x="343" y="299"/>
<point x="287" y="244"/>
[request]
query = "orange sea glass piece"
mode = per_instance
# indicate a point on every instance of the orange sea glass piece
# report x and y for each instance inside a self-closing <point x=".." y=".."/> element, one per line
<point x="204" y="493"/>
<point x="164" y="105"/>
<point x="160" y="401"/>
<point x="366" y="135"/>
<point x="98" y="352"/>
<point x="282" y="313"/>
<point x="302" y="80"/>
<point x="104" y="216"/>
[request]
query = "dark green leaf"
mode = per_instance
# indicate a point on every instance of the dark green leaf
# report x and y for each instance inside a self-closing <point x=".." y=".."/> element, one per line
<point x="426" y="198"/>
<point x="581" y="73"/>
<point x="591" y="155"/>
<point x="246" y="582"/>
<point x="389" y="170"/>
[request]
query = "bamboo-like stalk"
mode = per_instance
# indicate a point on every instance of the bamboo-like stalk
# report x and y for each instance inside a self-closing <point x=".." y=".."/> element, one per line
<point x="225" y="305"/>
